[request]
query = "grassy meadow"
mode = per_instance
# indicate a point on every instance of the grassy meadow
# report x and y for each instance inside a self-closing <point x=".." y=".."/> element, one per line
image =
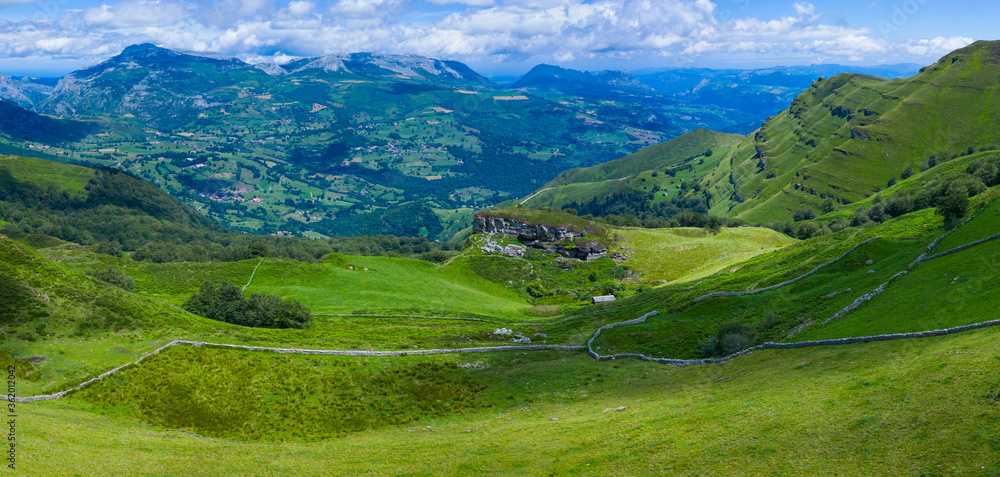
<point x="914" y="407"/>
<point x="685" y="254"/>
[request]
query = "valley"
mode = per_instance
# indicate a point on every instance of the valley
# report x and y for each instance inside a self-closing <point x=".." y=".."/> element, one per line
<point x="498" y="280"/>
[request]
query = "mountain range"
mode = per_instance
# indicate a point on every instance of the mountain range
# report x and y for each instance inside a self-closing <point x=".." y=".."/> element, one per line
<point x="842" y="141"/>
<point x="337" y="144"/>
<point x="817" y="294"/>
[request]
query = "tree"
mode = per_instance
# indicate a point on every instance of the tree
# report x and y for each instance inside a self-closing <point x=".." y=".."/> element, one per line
<point x="907" y="173"/>
<point x="953" y="206"/>
<point x="877" y="213"/>
<point x="804" y="214"/>
<point x="227" y="303"/>
<point x="828" y="206"/>
<point x="113" y="276"/>
<point x="258" y="249"/>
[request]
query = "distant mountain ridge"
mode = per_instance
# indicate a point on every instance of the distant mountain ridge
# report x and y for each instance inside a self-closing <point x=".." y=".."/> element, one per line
<point x="165" y="88"/>
<point x="549" y="78"/>
<point x="840" y="142"/>
<point x="24" y="91"/>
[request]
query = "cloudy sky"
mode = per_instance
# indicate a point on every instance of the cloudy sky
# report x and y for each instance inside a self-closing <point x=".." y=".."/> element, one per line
<point x="500" y="36"/>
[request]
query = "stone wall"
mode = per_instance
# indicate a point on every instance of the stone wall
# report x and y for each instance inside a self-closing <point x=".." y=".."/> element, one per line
<point x="589" y="347"/>
<point x="785" y="283"/>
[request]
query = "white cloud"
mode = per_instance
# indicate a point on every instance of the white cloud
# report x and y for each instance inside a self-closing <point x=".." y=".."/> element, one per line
<point x="135" y="13"/>
<point x="299" y="9"/>
<point x="804" y="9"/>
<point x="471" y="3"/>
<point x="937" y="46"/>
<point x="469" y="30"/>
<point x="368" y="8"/>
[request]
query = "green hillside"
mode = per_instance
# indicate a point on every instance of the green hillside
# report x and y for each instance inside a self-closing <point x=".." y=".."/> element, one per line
<point x="661" y="156"/>
<point x="300" y="410"/>
<point x="867" y="346"/>
<point x="910" y="407"/>
<point x="641" y="183"/>
<point x="847" y="136"/>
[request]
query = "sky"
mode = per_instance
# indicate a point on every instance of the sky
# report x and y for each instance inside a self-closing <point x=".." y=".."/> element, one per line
<point x="500" y="37"/>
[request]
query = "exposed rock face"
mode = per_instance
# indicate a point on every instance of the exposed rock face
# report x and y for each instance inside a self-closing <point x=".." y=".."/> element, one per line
<point x="523" y="231"/>
<point x="545" y="237"/>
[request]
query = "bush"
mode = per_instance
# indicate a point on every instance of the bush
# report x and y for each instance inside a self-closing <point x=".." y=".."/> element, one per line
<point x="804" y="214"/>
<point x="907" y="173"/>
<point x="113" y="276"/>
<point x="828" y="206"/>
<point x="783" y="227"/>
<point x="732" y="337"/>
<point x="109" y="248"/>
<point x="227" y="303"/>
<point x="953" y="206"/>
<point x="809" y="230"/>
<point x="859" y="218"/>
<point x="898" y="205"/>
<point x="877" y="213"/>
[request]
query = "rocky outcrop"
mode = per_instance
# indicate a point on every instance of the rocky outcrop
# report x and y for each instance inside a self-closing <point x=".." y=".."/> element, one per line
<point x="566" y="241"/>
<point x="523" y="230"/>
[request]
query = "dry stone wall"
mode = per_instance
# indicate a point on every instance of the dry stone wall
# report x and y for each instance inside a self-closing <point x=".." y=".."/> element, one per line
<point x="589" y="347"/>
<point x="785" y="283"/>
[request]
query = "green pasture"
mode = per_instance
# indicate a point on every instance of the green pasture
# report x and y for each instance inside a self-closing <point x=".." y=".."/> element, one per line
<point x="915" y="407"/>
<point x="684" y="254"/>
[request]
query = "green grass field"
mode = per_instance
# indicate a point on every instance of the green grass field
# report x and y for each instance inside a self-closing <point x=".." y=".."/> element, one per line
<point x="685" y="254"/>
<point x="47" y="174"/>
<point x="913" y="407"/>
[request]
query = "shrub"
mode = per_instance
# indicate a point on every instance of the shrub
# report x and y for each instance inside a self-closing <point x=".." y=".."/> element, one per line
<point x="953" y="206"/>
<point x="907" y="173"/>
<point x="109" y="248"/>
<point x="227" y="303"/>
<point x="113" y="276"/>
<point x="898" y="205"/>
<point x="877" y="213"/>
<point x="732" y="337"/>
<point x="804" y="214"/>
<point x="859" y="218"/>
<point x="828" y="206"/>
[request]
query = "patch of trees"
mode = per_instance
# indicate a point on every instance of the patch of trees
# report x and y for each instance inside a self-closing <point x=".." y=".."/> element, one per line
<point x="948" y="196"/>
<point x="636" y="209"/>
<point x="227" y="303"/>
<point x="412" y="220"/>
<point x="338" y="149"/>
<point x="124" y="214"/>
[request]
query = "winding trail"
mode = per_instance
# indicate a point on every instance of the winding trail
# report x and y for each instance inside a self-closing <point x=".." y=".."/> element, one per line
<point x="589" y="346"/>
<point x="252" y="274"/>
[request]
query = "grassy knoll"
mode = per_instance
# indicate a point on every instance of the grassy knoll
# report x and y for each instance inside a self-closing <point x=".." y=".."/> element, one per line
<point x="915" y="407"/>
<point x="47" y="174"/>
<point x="684" y="254"/>
<point x="343" y="284"/>
<point x="338" y="284"/>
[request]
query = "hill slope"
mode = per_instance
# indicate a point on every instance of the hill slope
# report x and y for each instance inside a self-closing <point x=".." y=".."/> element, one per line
<point x="847" y="136"/>
<point x="681" y="159"/>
